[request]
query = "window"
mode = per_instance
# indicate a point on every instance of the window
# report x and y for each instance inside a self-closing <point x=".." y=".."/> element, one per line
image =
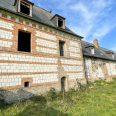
<point x="113" y="56"/>
<point x="24" y="42"/>
<point x="60" y="22"/>
<point x="24" y="8"/>
<point x="61" y="45"/>
<point x="63" y="82"/>
<point x="26" y="84"/>
<point x="92" y="50"/>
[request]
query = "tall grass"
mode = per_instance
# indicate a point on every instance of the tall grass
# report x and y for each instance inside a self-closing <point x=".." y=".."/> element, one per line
<point x="98" y="99"/>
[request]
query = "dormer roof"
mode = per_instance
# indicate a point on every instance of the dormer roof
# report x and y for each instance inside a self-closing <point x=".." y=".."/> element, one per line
<point x="57" y="16"/>
<point x="24" y="1"/>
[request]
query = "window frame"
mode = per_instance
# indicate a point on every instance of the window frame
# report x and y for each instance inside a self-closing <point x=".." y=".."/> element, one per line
<point x="92" y="50"/>
<point x="30" y="41"/>
<point x="64" y="54"/>
<point x="30" y="14"/>
<point x="63" y="21"/>
<point x="113" y="56"/>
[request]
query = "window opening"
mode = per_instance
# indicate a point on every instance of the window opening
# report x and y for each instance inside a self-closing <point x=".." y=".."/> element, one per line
<point x="26" y="84"/>
<point x="113" y="56"/>
<point x="24" y="42"/>
<point x="60" y="22"/>
<point x="61" y="45"/>
<point x="92" y="50"/>
<point x="24" y="8"/>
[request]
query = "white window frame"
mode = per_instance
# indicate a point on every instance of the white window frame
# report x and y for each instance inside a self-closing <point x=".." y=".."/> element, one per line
<point x="113" y="56"/>
<point x="92" y="50"/>
<point x="26" y="3"/>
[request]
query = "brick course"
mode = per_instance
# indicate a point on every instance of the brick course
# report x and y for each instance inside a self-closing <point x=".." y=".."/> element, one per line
<point x="43" y="66"/>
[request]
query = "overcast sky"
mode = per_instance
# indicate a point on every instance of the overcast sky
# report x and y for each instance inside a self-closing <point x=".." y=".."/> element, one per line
<point x="92" y="19"/>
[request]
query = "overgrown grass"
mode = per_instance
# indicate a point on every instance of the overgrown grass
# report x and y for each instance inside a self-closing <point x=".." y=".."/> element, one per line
<point x="97" y="99"/>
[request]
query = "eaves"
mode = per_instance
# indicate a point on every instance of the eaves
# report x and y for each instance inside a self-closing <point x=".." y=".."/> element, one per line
<point x="25" y="16"/>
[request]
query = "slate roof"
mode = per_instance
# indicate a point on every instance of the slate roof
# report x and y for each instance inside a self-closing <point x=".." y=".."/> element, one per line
<point x="38" y="14"/>
<point x="98" y="52"/>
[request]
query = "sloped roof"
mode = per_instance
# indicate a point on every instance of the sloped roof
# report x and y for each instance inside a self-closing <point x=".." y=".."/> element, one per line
<point x="38" y="14"/>
<point x="98" y="52"/>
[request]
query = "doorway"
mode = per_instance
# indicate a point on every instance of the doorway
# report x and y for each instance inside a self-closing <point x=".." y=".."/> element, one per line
<point x="63" y="83"/>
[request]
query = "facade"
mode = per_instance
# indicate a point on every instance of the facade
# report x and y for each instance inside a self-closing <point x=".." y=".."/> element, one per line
<point x="37" y="51"/>
<point x="99" y="63"/>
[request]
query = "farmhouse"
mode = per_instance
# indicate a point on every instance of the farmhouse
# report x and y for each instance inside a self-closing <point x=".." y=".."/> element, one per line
<point x="37" y="51"/>
<point x="99" y="63"/>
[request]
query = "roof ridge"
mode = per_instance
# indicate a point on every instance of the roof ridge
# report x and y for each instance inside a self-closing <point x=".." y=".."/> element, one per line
<point x="107" y="49"/>
<point x="87" y="42"/>
<point x="99" y="46"/>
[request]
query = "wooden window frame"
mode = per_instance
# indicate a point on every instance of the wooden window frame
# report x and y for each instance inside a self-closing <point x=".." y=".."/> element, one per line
<point x="26" y="3"/>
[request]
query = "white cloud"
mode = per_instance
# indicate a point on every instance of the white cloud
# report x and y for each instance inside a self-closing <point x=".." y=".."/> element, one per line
<point x="92" y="24"/>
<point x="92" y="18"/>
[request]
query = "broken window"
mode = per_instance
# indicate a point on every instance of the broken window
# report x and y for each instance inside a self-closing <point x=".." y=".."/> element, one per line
<point x="26" y="84"/>
<point x="61" y="45"/>
<point x="60" y="22"/>
<point x="24" y="8"/>
<point x="24" y="42"/>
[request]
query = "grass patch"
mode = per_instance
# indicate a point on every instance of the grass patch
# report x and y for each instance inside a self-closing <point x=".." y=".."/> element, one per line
<point x="95" y="99"/>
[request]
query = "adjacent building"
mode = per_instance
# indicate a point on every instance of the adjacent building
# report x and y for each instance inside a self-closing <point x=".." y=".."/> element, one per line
<point x="99" y="63"/>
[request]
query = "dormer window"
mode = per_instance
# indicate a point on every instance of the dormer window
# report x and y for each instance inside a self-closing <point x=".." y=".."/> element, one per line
<point x="58" y="21"/>
<point x="25" y="7"/>
<point x="92" y="50"/>
<point x="110" y="53"/>
<point x="113" y="56"/>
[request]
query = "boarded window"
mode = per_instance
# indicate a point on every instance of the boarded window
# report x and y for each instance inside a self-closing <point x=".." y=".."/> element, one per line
<point x="24" y="8"/>
<point x="24" y="42"/>
<point x="61" y="45"/>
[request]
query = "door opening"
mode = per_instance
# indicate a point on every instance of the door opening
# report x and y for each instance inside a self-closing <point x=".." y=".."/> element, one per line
<point x="63" y="83"/>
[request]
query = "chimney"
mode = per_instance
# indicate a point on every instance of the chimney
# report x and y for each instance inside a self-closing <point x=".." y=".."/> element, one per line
<point x="50" y="10"/>
<point x="95" y="41"/>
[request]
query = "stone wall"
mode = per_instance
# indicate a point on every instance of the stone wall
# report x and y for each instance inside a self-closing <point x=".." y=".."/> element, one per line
<point x="96" y="69"/>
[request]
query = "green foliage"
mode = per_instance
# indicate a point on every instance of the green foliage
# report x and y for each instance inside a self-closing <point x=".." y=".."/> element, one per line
<point x="2" y="102"/>
<point x="98" y="99"/>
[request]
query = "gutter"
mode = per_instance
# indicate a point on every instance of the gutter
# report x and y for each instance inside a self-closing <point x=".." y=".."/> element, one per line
<point x="25" y="16"/>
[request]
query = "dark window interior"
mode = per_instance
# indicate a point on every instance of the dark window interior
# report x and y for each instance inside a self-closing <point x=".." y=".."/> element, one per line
<point x="24" y="8"/>
<point x="61" y="45"/>
<point x="26" y="84"/>
<point x="60" y="22"/>
<point x="24" y="42"/>
<point x="63" y="83"/>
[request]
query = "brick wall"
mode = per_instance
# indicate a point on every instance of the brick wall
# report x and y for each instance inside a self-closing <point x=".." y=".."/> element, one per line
<point x="43" y="66"/>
